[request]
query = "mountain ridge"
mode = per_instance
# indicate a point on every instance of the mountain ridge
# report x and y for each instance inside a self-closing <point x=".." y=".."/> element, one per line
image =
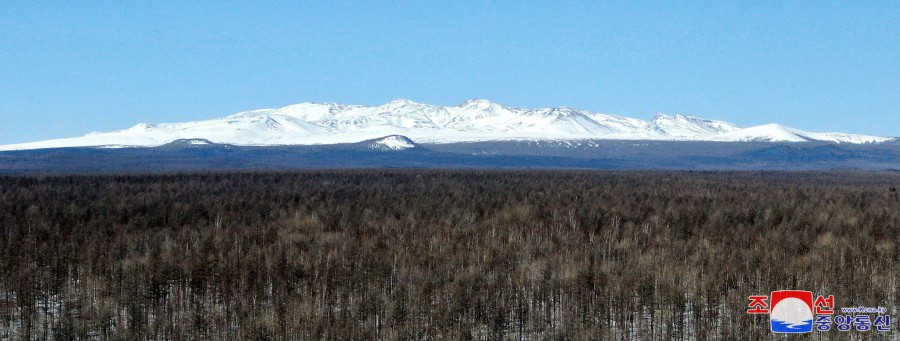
<point x="312" y="123"/>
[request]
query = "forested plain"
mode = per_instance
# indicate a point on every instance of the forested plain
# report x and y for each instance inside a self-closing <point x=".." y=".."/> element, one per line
<point x="438" y="254"/>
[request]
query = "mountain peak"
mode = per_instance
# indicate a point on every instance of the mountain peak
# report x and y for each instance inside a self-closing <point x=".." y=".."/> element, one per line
<point x="399" y="102"/>
<point x="660" y="116"/>
<point x="681" y="125"/>
<point x="392" y="142"/>
<point x="142" y="126"/>
<point x="191" y="142"/>
<point x="665" y="117"/>
<point x="476" y="102"/>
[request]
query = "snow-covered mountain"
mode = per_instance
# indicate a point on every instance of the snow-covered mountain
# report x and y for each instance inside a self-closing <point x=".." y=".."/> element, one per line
<point x="393" y="142"/>
<point x="473" y="120"/>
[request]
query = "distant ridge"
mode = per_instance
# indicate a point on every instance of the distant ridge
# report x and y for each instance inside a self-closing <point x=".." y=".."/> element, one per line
<point x="473" y="120"/>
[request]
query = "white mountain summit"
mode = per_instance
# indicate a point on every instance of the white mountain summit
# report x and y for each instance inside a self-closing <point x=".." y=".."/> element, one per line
<point x="473" y="120"/>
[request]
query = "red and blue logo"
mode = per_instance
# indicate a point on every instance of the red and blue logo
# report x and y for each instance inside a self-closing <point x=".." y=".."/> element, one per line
<point x="791" y="312"/>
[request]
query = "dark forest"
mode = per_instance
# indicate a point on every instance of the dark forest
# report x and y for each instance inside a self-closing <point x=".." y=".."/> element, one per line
<point x="438" y="254"/>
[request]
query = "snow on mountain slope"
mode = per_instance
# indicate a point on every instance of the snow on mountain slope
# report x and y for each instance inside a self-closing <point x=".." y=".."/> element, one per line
<point x="780" y="133"/>
<point x="473" y="120"/>
<point x="763" y="133"/>
<point x="686" y="126"/>
<point x="393" y="142"/>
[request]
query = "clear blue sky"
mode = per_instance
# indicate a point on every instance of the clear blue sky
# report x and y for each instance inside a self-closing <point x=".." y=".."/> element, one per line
<point x="67" y="68"/>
